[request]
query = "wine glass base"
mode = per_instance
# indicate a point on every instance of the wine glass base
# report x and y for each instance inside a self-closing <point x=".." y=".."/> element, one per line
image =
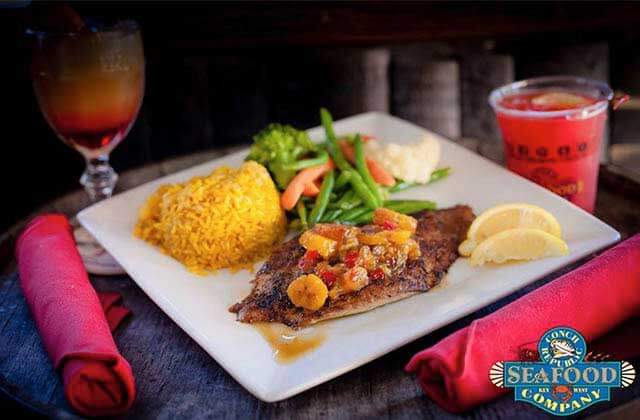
<point x="96" y="259"/>
<point x="99" y="179"/>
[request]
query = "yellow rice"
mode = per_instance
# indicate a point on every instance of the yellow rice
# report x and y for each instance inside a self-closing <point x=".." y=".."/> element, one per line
<point x="229" y="219"/>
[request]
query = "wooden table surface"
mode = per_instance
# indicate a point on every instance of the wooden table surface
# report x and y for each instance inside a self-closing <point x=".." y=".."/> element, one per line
<point x="177" y="379"/>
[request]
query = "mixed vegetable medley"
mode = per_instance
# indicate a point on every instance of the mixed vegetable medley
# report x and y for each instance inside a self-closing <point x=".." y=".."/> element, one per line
<point x="333" y="181"/>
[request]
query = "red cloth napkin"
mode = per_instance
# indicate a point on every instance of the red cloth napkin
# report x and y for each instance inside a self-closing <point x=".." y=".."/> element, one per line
<point x="114" y="312"/>
<point x="71" y="319"/>
<point x="593" y="299"/>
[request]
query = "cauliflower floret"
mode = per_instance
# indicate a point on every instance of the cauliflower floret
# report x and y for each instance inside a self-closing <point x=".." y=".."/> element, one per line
<point x="409" y="162"/>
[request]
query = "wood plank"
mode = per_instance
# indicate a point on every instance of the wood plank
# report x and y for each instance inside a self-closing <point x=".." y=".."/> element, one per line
<point x="426" y="91"/>
<point x="625" y="77"/>
<point x="481" y="73"/>
<point x="347" y="81"/>
<point x="238" y="92"/>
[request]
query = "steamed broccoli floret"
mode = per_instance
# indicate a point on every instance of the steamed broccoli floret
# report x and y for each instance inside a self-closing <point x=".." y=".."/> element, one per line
<point x="278" y="145"/>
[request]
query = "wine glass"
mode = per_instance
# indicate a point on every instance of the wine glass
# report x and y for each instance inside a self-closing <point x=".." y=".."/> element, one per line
<point x="89" y="86"/>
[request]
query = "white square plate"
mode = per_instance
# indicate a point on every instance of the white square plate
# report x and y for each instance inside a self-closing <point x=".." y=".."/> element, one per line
<point x="199" y="304"/>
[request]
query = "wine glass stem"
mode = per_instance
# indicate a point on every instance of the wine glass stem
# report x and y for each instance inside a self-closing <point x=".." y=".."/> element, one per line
<point x="99" y="179"/>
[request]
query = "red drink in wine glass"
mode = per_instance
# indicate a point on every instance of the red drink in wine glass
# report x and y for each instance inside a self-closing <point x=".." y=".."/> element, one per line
<point x="90" y="85"/>
<point x="552" y="129"/>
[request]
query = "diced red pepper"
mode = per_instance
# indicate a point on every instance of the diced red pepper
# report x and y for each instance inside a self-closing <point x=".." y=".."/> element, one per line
<point x="351" y="258"/>
<point x="309" y="260"/>
<point x="377" y="274"/>
<point x="329" y="278"/>
<point x="389" y="225"/>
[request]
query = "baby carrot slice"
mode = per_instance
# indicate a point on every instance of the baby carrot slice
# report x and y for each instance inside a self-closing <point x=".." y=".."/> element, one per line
<point x="311" y="190"/>
<point x="378" y="172"/>
<point x="296" y="187"/>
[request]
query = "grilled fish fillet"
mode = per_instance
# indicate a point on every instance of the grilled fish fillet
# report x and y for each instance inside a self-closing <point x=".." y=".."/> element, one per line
<point x="439" y="233"/>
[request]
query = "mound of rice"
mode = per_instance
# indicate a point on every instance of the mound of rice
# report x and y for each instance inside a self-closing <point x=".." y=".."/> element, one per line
<point x="229" y="219"/>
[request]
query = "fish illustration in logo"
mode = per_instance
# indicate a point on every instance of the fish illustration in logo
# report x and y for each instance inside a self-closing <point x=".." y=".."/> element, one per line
<point x="561" y="348"/>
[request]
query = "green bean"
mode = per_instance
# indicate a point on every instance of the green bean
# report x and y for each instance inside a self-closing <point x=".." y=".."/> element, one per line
<point x="323" y="157"/>
<point x="336" y="204"/>
<point x="409" y="206"/>
<point x="348" y="204"/>
<point x="351" y="201"/>
<point x="330" y="216"/>
<point x="302" y="213"/>
<point x="363" y="170"/>
<point x="438" y="174"/>
<point x="347" y="197"/>
<point x="364" y="218"/>
<point x="342" y="180"/>
<point x="352" y="204"/>
<point x="332" y="141"/>
<point x="362" y="215"/>
<point x="385" y="195"/>
<point x="402" y="185"/>
<point x="352" y="214"/>
<point x="363" y="191"/>
<point x="355" y="179"/>
<point x="323" y="198"/>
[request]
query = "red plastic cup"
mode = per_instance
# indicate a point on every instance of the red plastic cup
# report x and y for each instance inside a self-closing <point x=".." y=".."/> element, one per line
<point x="552" y="130"/>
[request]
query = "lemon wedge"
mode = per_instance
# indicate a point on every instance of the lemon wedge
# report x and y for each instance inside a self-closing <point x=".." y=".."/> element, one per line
<point x="508" y="216"/>
<point x="560" y="100"/>
<point x="518" y="244"/>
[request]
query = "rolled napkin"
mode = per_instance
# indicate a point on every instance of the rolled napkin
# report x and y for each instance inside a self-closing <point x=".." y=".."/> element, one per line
<point x="114" y="312"/>
<point x="592" y="299"/>
<point x="71" y="320"/>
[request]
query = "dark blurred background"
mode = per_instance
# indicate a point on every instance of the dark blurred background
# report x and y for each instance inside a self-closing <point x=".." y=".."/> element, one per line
<point x="218" y="72"/>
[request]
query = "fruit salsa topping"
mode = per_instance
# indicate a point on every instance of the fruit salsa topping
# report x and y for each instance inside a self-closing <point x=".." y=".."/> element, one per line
<point x="343" y="259"/>
<point x="329" y="278"/>
<point x="377" y="274"/>
<point x="384" y="216"/>
<point x="324" y="246"/>
<point x="308" y="291"/>
<point x="309" y="260"/>
<point x="389" y="225"/>
<point x="351" y="258"/>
